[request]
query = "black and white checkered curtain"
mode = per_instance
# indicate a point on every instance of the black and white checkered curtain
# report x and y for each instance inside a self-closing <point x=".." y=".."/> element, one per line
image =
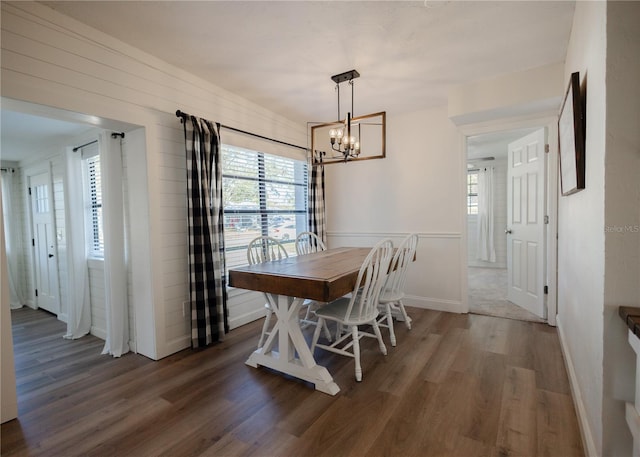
<point x="316" y="198"/>
<point x="206" y="232"/>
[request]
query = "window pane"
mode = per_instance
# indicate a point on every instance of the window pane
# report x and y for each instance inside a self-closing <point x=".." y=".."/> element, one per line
<point x="472" y="192"/>
<point x="42" y="199"/>
<point x="263" y="195"/>
<point x="94" y="195"/>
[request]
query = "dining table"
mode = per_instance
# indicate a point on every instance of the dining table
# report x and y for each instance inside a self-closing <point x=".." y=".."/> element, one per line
<point x="320" y="276"/>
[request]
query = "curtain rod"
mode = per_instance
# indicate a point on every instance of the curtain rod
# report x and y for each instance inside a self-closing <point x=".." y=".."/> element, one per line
<point x="12" y="170"/>
<point x="84" y="145"/>
<point x="113" y="135"/>
<point x="183" y="116"/>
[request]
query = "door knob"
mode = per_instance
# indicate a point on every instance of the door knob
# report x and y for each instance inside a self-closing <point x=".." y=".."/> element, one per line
<point x="50" y="255"/>
<point x="508" y="231"/>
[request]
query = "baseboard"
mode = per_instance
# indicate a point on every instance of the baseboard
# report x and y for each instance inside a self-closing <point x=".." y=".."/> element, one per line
<point x="398" y="235"/>
<point x="435" y="304"/>
<point x="585" y="431"/>
<point x="184" y="342"/>
<point x="175" y="345"/>
<point x="243" y="319"/>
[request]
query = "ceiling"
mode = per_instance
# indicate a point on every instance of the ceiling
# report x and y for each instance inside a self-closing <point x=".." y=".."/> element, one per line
<point x="281" y="55"/>
<point x="23" y="133"/>
<point x="494" y="144"/>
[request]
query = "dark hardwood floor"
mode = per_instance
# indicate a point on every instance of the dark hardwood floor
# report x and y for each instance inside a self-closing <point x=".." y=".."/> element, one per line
<point x="456" y="385"/>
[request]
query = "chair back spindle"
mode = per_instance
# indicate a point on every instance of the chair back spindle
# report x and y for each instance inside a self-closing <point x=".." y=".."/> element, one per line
<point x="308" y="242"/>
<point x="363" y="305"/>
<point x="265" y="249"/>
<point x="400" y="263"/>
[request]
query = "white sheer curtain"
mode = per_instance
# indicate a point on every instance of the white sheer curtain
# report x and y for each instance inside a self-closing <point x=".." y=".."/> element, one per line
<point x="79" y="304"/>
<point x="486" y="249"/>
<point x="115" y="265"/>
<point x="12" y="239"/>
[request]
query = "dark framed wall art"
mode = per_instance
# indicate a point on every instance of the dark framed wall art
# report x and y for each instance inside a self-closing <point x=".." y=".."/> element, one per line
<point x="571" y="134"/>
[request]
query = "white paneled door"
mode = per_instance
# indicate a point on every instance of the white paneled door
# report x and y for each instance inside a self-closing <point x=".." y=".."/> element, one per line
<point x="525" y="222"/>
<point x="44" y="243"/>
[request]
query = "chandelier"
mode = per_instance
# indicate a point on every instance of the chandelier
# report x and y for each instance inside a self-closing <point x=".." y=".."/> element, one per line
<point x="352" y="138"/>
<point x="344" y="140"/>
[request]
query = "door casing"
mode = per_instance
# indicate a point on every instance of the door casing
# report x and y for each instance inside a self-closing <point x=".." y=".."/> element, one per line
<point x="548" y="120"/>
<point x="44" y="252"/>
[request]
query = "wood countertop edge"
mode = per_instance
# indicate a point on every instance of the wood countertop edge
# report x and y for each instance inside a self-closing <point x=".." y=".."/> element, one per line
<point x="631" y="317"/>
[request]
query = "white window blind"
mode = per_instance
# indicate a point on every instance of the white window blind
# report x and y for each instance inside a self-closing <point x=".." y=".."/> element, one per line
<point x="263" y="194"/>
<point x="93" y="201"/>
<point x="472" y="192"/>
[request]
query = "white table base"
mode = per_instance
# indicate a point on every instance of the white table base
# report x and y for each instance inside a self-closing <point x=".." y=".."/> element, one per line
<point x="293" y="356"/>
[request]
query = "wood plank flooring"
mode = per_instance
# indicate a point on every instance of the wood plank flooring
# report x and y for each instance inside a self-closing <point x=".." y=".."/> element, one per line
<point x="456" y="385"/>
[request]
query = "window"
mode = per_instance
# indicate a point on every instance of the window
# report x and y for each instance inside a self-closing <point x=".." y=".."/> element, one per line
<point x="472" y="192"/>
<point x="93" y="202"/>
<point x="42" y="199"/>
<point x="263" y="194"/>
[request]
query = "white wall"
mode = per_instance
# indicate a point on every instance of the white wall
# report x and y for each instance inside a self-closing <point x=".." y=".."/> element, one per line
<point x="599" y="244"/>
<point x="96" y="296"/>
<point x="52" y="60"/>
<point x="525" y="93"/>
<point x="581" y="261"/>
<point x="418" y="188"/>
<point x="622" y="217"/>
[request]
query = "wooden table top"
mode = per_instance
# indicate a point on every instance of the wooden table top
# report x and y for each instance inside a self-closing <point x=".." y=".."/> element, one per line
<point x="323" y="276"/>
<point x="631" y="317"/>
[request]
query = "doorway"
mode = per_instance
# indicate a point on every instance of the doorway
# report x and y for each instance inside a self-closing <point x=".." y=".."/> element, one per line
<point x="491" y="200"/>
<point x="44" y="241"/>
<point x="44" y="146"/>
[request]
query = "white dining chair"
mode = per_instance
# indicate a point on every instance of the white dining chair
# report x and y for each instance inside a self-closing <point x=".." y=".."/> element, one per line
<point x="392" y="293"/>
<point x="360" y="308"/>
<point x="264" y="249"/>
<point x="308" y="242"/>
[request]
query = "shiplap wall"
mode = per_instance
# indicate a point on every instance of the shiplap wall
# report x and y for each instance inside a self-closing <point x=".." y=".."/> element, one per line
<point x="50" y="59"/>
<point x="96" y="295"/>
